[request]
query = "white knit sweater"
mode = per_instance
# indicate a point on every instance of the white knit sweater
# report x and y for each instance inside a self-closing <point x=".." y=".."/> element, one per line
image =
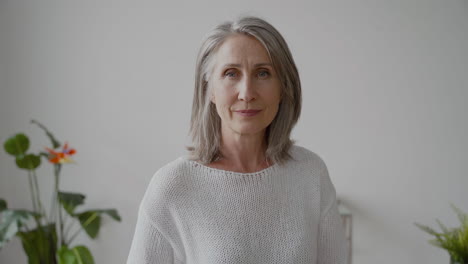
<point x="195" y="214"/>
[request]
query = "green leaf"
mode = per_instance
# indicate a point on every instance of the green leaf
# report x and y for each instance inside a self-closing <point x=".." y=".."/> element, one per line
<point x="7" y="231"/>
<point x="461" y="216"/>
<point x="3" y="205"/>
<point x="28" y="162"/>
<point x="40" y="244"/>
<point x="76" y="255"/>
<point x="11" y="222"/>
<point x="442" y="226"/>
<point x="453" y="240"/>
<point x="427" y="229"/>
<point x="55" y="142"/>
<point x="112" y="213"/>
<point x="65" y="256"/>
<point x="70" y="201"/>
<point x="83" y="255"/>
<point x="17" y="144"/>
<point x="91" y="222"/>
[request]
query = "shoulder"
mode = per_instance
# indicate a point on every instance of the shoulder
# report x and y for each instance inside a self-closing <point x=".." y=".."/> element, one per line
<point x="166" y="182"/>
<point x="171" y="171"/>
<point x="305" y="156"/>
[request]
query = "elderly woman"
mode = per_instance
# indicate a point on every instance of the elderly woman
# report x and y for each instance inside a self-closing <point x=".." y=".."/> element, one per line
<point x="245" y="193"/>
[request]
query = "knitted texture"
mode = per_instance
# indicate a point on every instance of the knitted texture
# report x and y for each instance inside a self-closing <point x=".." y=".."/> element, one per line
<point x="195" y="214"/>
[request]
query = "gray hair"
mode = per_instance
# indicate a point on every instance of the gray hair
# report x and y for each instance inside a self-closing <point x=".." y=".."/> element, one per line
<point x="205" y="125"/>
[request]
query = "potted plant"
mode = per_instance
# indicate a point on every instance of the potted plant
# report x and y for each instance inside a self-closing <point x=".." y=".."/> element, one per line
<point x="47" y="238"/>
<point x="454" y="240"/>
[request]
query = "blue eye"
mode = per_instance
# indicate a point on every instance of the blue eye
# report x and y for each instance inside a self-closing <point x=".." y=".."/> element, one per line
<point x="230" y="74"/>
<point x="263" y="74"/>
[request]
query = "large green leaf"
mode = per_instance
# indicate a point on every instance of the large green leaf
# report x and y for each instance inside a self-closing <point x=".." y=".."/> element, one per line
<point x="17" y="144"/>
<point x="70" y="201"/>
<point x="83" y="255"/>
<point x="28" y="162"/>
<point x="91" y="220"/>
<point x="40" y="244"/>
<point x="76" y="255"/>
<point x="3" y="205"/>
<point x="11" y="222"/>
<point x="53" y="140"/>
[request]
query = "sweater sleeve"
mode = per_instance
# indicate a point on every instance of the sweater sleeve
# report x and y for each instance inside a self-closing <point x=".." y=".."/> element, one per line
<point x="149" y="246"/>
<point x="332" y="244"/>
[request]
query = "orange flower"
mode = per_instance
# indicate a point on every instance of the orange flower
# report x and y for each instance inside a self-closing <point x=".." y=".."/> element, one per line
<point x="62" y="156"/>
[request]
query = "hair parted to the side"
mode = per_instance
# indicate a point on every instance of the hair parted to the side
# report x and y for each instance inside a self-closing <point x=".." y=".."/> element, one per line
<point x="205" y="125"/>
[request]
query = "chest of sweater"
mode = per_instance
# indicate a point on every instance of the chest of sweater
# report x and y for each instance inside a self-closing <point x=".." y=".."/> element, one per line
<point x="248" y="219"/>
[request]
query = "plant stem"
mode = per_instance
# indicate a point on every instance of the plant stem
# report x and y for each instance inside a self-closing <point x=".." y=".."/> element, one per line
<point x="36" y="203"/>
<point x="67" y="231"/>
<point x="32" y="191"/>
<point x="38" y="194"/>
<point x="66" y="223"/>
<point x="53" y="206"/>
<point x="52" y="209"/>
<point x="59" y="209"/>
<point x="57" y="205"/>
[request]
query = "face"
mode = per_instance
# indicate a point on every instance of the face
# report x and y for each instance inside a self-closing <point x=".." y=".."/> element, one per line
<point x="244" y="86"/>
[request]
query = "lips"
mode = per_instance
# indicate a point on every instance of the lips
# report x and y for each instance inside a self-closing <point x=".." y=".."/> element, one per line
<point x="249" y="112"/>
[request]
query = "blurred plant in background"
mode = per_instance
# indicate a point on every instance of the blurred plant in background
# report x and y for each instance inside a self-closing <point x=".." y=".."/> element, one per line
<point x="47" y="238"/>
<point x="454" y="240"/>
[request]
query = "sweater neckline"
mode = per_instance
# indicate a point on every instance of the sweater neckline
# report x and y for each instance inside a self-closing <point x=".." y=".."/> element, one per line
<point x="228" y="172"/>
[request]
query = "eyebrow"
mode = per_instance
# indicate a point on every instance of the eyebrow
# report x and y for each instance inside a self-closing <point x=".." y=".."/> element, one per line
<point x="255" y="65"/>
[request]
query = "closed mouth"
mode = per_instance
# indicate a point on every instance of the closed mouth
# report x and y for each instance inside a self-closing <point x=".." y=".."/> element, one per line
<point x="250" y="111"/>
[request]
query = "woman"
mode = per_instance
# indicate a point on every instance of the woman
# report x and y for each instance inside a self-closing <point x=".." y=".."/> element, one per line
<point x="246" y="193"/>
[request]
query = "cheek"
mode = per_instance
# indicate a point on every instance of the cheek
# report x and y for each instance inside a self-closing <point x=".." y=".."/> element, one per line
<point x="221" y="108"/>
<point x="273" y="111"/>
<point x="223" y="104"/>
<point x="225" y="96"/>
<point x="273" y="97"/>
<point x="278" y="92"/>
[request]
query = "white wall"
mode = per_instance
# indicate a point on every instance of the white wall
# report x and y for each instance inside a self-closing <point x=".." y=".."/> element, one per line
<point x="385" y="102"/>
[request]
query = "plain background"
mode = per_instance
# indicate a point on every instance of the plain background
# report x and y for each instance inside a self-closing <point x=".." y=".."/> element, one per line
<point x="385" y="87"/>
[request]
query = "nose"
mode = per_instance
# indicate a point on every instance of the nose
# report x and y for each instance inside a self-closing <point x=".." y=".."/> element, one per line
<point x="247" y="91"/>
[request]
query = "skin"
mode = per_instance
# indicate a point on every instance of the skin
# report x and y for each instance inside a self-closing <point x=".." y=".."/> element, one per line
<point x="243" y="78"/>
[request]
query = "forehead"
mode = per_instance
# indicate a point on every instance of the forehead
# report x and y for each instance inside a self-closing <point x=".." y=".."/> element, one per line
<point x="240" y="48"/>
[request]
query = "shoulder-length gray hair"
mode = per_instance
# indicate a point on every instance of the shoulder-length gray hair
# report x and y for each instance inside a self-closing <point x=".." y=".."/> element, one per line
<point x="205" y="125"/>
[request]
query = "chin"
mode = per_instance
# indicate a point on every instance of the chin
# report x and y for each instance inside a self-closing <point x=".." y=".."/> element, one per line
<point x="250" y="130"/>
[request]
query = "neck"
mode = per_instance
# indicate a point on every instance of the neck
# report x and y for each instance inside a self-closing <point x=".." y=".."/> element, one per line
<point x="243" y="153"/>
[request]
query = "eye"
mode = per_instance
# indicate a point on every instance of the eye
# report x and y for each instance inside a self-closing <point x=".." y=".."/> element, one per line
<point x="263" y="73"/>
<point x="230" y="74"/>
